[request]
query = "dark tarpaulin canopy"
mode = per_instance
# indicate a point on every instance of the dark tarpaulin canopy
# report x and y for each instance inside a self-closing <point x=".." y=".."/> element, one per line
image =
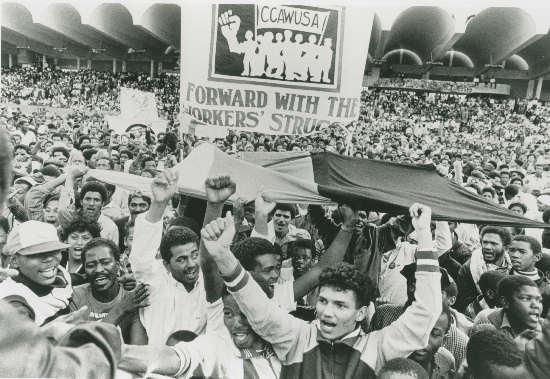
<point x="389" y="187"/>
<point x="393" y="187"/>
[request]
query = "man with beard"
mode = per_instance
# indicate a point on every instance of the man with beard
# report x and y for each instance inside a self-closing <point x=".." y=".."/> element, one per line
<point x="334" y="345"/>
<point x="42" y="282"/>
<point x="104" y="296"/>
<point x="77" y="234"/>
<point x="178" y="300"/>
<point x="491" y="257"/>
<point x="93" y="196"/>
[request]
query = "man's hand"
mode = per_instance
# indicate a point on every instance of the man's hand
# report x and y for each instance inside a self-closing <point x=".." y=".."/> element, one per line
<point x="349" y="216"/>
<point x="230" y="24"/>
<point x="137" y="298"/>
<point x="218" y="235"/>
<point x="219" y="189"/>
<point x="128" y="281"/>
<point x="164" y="186"/>
<point x="264" y="204"/>
<point x="76" y="172"/>
<point x="421" y="217"/>
<point x="238" y="210"/>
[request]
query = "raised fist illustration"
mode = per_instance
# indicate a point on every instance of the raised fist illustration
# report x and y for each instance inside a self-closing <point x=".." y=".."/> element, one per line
<point x="230" y="24"/>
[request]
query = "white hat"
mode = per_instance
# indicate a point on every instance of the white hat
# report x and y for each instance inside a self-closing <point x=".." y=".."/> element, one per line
<point x="33" y="237"/>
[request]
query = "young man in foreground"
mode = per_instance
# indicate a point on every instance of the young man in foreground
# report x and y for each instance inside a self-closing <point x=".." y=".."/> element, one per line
<point x="334" y="344"/>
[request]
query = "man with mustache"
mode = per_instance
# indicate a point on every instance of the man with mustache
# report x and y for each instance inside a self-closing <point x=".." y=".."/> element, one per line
<point x="178" y="300"/>
<point x="104" y="296"/>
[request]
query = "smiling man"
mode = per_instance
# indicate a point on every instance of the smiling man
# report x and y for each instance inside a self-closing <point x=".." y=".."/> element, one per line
<point x="178" y="300"/>
<point x="104" y="296"/>
<point x="42" y="282"/>
<point x="334" y="345"/>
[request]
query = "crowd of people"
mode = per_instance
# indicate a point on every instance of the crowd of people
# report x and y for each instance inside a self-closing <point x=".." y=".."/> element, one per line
<point x="99" y="281"/>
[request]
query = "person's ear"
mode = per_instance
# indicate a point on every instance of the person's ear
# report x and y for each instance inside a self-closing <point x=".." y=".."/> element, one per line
<point x="361" y="314"/>
<point x="538" y="257"/>
<point x="13" y="261"/>
<point x="452" y="300"/>
<point x="504" y="302"/>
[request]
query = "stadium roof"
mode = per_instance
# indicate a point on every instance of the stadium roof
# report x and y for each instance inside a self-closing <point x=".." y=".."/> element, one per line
<point x="91" y="29"/>
<point x="467" y="34"/>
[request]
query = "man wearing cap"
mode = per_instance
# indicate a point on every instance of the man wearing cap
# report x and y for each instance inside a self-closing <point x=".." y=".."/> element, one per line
<point x="42" y="282"/>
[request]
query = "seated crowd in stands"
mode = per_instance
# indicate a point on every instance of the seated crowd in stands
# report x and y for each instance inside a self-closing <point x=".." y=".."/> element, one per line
<point x="166" y="283"/>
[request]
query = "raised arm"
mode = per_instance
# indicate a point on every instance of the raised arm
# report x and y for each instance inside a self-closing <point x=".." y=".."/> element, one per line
<point x="334" y="254"/>
<point x="218" y="190"/>
<point x="263" y="205"/>
<point x="412" y="330"/>
<point x="34" y="201"/>
<point x="148" y="228"/>
<point x="267" y="319"/>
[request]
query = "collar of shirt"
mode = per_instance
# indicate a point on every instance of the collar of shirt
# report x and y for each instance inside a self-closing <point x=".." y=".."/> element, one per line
<point x="265" y="352"/>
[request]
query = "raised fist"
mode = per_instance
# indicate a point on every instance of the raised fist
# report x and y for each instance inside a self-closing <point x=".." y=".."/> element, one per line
<point x="230" y="24"/>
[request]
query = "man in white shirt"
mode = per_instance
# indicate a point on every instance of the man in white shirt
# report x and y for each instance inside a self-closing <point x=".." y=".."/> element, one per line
<point x="177" y="295"/>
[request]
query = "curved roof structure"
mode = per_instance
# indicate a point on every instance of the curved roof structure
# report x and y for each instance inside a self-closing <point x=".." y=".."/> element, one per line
<point x="92" y="29"/>
<point x="498" y="35"/>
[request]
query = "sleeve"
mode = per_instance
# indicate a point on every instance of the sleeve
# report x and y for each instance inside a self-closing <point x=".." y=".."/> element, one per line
<point x="271" y="322"/>
<point x="34" y="202"/>
<point x="443" y="239"/>
<point x="537" y="353"/>
<point x="412" y="330"/>
<point x="91" y="350"/>
<point x="147" y="237"/>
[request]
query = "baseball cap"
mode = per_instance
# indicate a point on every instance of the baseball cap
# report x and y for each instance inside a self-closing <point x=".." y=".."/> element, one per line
<point x="33" y="237"/>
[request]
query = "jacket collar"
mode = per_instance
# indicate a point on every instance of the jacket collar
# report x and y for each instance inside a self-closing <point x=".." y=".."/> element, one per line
<point x="349" y="339"/>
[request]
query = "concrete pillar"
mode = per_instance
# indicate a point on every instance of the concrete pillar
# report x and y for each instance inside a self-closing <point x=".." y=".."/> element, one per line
<point x="530" y="89"/>
<point x="10" y="60"/>
<point x="152" y="68"/>
<point x="123" y="68"/>
<point x="159" y="69"/>
<point x="114" y="65"/>
<point x="77" y="63"/>
<point x="89" y="64"/>
<point x="55" y="61"/>
<point x="44" y="61"/>
<point x="539" y="87"/>
<point x="426" y="75"/>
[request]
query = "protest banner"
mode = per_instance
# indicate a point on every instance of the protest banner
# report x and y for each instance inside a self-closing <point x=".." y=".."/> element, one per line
<point x="274" y="69"/>
<point x="136" y="107"/>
